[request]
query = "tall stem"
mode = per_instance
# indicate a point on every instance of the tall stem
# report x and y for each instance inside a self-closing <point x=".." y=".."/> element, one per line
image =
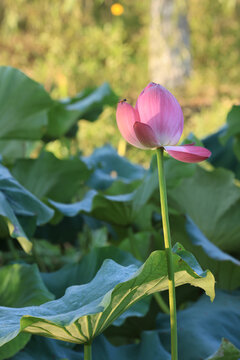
<point x="87" y="352"/>
<point x="168" y="250"/>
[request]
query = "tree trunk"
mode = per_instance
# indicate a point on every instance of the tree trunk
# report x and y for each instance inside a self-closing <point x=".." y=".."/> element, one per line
<point x="170" y="59"/>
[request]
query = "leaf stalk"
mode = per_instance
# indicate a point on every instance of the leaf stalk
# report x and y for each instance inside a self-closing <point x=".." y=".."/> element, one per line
<point x="87" y="351"/>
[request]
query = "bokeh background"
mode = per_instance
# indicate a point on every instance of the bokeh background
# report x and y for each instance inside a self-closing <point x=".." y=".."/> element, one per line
<point x="192" y="47"/>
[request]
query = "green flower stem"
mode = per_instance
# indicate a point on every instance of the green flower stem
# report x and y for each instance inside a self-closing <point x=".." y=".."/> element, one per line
<point x="157" y="296"/>
<point x="87" y="352"/>
<point x="168" y="250"/>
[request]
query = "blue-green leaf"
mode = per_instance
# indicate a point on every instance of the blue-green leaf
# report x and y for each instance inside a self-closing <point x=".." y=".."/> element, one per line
<point x="227" y="351"/>
<point x="23" y="106"/>
<point x="108" y="167"/>
<point x="52" y="177"/>
<point x="20" y="285"/>
<point x="15" y="203"/>
<point x="88" y="105"/>
<point x="119" y="205"/>
<point x="212" y="200"/>
<point x="203" y="324"/>
<point x="225" y="268"/>
<point x="86" y="310"/>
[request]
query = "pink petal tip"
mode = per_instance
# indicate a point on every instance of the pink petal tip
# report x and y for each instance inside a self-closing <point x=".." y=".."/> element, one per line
<point x="188" y="153"/>
<point x="126" y="118"/>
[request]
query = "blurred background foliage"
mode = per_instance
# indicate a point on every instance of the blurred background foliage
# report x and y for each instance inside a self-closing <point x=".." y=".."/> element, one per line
<point x="69" y="45"/>
<point x="76" y="211"/>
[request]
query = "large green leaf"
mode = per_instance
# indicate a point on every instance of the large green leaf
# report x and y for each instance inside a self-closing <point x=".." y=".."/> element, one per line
<point x="233" y="130"/>
<point x="151" y="345"/>
<point x="52" y="177"/>
<point x="20" y="285"/>
<point x="11" y="150"/>
<point x="126" y="201"/>
<point x="14" y="346"/>
<point x="19" y="207"/>
<point x="201" y="329"/>
<point x="203" y="324"/>
<point x="86" y="310"/>
<point x="120" y="205"/>
<point x="222" y="154"/>
<point x="115" y="209"/>
<point x="140" y="243"/>
<point x="212" y="200"/>
<point x="233" y="124"/>
<point x="109" y="166"/>
<point x="227" y="351"/>
<point x="85" y="270"/>
<point x="23" y="106"/>
<point x="88" y="105"/>
<point x="41" y="348"/>
<point x="225" y="268"/>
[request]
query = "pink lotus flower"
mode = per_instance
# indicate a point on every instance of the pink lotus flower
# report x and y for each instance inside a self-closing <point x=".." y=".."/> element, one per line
<point x="157" y="121"/>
